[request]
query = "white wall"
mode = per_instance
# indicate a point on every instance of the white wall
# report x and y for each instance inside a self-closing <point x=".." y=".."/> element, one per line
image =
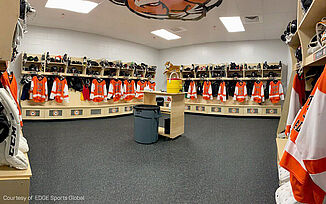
<point x="58" y="41"/>
<point x="226" y="52"/>
<point x="78" y="44"/>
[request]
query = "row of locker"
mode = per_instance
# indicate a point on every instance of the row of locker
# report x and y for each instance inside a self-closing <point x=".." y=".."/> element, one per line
<point x="232" y="110"/>
<point x="31" y="113"/>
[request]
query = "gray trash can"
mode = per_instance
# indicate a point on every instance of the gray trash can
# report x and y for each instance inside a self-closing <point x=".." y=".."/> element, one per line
<point x="146" y="120"/>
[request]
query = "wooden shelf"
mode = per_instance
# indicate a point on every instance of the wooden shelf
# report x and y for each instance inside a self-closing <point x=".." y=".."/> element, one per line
<point x="162" y="93"/>
<point x="161" y="132"/>
<point x="316" y="59"/>
<point x="231" y="79"/>
<point x="295" y="41"/>
<point x="315" y="13"/>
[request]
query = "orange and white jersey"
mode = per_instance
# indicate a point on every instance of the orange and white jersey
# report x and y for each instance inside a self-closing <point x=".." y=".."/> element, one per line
<point x="276" y="92"/>
<point x="39" y="89"/>
<point x="258" y="92"/>
<point x="59" y="90"/>
<point x="305" y="152"/>
<point x="296" y="101"/>
<point x="240" y="93"/>
<point x="192" y="91"/>
<point x="115" y="90"/>
<point x="129" y="90"/>
<point x="140" y="88"/>
<point x="10" y="84"/>
<point x="207" y="91"/>
<point x="151" y="86"/>
<point x="98" y="91"/>
<point x="221" y="96"/>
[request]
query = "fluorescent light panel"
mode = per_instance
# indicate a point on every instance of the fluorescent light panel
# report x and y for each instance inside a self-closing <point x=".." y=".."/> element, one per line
<point x="162" y="33"/>
<point x="79" y="6"/>
<point x="233" y="24"/>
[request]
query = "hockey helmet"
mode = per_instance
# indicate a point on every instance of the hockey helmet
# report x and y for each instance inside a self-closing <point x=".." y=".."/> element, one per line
<point x="293" y="26"/>
<point x="298" y="54"/>
<point x="321" y="31"/>
<point x="54" y="69"/>
<point x="30" y="58"/>
<point x="306" y="4"/>
<point x="314" y="45"/>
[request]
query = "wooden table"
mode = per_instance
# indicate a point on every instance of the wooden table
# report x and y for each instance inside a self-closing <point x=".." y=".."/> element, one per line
<point x="14" y="183"/>
<point x="176" y="112"/>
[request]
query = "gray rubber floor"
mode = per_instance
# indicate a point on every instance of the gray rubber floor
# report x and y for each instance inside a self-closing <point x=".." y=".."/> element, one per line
<point x="217" y="160"/>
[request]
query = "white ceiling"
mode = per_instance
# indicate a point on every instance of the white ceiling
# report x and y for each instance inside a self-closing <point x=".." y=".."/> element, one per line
<point x="116" y="21"/>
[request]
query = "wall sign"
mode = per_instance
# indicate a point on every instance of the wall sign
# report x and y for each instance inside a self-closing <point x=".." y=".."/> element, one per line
<point x="187" y="10"/>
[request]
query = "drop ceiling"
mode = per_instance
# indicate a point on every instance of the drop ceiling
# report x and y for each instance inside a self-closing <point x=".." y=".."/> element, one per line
<point x="118" y="22"/>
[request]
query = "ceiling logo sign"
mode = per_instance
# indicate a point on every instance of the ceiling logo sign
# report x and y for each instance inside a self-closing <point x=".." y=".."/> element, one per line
<point x="187" y="10"/>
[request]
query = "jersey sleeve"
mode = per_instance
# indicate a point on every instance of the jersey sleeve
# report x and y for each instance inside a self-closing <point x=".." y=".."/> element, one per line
<point x="105" y="92"/>
<point x="235" y="93"/>
<point x="92" y="91"/>
<point x="110" y="94"/>
<point x="210" y="92"/>
<point x="281" y="92"/>
<point x="262" y="93"/>
<point x="46" y="90"/>
<point x="66" y="93"/>
<point x="53" y="91"/>
<point x="31" y="90"/>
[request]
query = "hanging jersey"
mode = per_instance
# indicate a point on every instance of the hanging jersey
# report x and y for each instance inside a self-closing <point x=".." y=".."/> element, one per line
<point x="305" y="152"/>
<point x="258" y="93"/>
<point x="222" y="92"/>
<point x="98" y="91"/>
<point x="151" y="86"/>
<point x="207" y="91"/>
<point x="60" y="90"/>
<point x="39" y="89"/>
<point x="240" y="93"/>
<point x="140" y="88"/>
<point x="86" y="93"/>
<point x="115" y="90"/>
<point x="129" y="90"/>
<point x="192" y="92"/>
<point x="10" y="84"/>
<point x="296" y="101"/>
<point x="276" y="92"/>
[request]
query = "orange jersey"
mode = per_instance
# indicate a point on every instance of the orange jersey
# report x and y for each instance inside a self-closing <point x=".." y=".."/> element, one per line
<point x="151" y="85"/>
<point x="98" y="91"/>
<point x="129" y="90"/>
<point x="258" y="92"/>
<point x="221" y="96"/>
<point x="207" y="91"/>
<point x="59" y="90"/>
<point x="140" y="88"/>
<point x="276" y="92"/>
<point x="240" y="93"/>
<point x="39" y="89"/>
<point x="192" y="91"/>
<point x="115" y="90"/>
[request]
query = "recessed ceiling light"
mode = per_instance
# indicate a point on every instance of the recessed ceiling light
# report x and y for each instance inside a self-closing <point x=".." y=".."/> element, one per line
<point x="165" y="34"/>
<point x="233" y="24"/>
<point x="79" y="6"/>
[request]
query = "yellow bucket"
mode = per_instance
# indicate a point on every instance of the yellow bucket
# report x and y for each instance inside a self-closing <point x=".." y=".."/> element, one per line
<point x="174" y="85"/>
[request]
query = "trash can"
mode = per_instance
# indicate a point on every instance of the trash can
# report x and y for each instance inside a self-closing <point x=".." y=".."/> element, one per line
<point x="160" y="101"/>
<point x="146" y="120"/>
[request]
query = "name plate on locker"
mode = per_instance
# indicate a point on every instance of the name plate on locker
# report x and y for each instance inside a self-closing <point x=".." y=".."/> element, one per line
<point x="271" y="111"/>
<point x="319" y="54"/>
<point x="55" y="113"/>
<point x="252" y="110"/>
<point x="128" y="108"/>
<point x="113" y="110"/>
<point x="33" y="113"/>
<point x="234" y="110"/>
<point x="188" y="108"/>
<point x="216" y="109"/>
<point x="76" y="112"/>
<point x="200" y="108"/>
<point x="96" y="111"/>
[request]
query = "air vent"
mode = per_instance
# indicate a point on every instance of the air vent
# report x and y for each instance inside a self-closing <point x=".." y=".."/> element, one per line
<point x="252" y="19"/>
<point x="177" y="29"/>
